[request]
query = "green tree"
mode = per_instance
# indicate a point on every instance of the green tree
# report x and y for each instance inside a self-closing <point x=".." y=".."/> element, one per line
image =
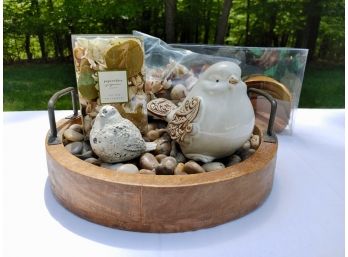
<point x="222" y="24"/>
<point x="41" y="29"/>
<point x="170" y="10"/>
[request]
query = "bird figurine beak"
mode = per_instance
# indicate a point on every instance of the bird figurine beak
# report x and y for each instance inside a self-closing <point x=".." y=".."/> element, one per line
<point x="233" y="81"/>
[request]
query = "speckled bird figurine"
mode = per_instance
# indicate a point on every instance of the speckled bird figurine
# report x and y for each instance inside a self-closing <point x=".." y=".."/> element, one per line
<point x="215" y="118"/>
<point x="115" y="139"/>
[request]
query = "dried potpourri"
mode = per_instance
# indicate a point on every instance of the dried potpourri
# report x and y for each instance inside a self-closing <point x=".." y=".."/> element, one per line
<point x="110" y="70"/>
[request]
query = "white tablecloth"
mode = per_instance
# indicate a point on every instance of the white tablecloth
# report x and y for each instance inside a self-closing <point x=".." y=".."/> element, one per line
<point x="303" y="216"/>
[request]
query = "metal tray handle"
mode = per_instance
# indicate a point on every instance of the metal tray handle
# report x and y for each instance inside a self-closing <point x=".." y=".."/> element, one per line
<point x="52" y="138"/>
<point x="270" y="135"/>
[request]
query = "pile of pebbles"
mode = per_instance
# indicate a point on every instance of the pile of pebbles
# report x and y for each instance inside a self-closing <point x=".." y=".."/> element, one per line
<point x="167" y="159"/>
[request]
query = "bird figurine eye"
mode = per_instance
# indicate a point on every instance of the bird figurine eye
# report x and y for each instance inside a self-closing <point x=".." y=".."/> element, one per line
<point x="105" y="111"/>
<point x="217" y="81"/>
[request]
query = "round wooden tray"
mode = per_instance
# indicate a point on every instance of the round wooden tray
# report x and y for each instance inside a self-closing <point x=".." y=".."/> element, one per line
<point x="159" y="203"/>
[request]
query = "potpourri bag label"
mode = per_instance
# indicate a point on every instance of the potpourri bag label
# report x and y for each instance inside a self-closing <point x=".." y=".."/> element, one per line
<point x="113" y="87"/>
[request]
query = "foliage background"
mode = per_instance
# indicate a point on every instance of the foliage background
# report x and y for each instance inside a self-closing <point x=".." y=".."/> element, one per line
<point x="37" y="36"/>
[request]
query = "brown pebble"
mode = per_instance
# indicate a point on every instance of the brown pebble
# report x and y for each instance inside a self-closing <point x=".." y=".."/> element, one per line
<point x="163" y="146"/>
<point x="179" y="169"/>
<point x="76" y="127"/>
<point x="148" y="161"/>
<point x="65" y="141"/>
<point x="156" y="87"/>
<point x="166" y="167"/>
<point x="169" y="162"/>
<point x="147" y="172"/>
<point x="155" y="134"/>
<point x="192" y="167"/>
<point x="87" y="124"/>
<point x="178" y="92"/>
<point x="162" y="170"/>
<point x="160" y="157"/>
<point x="151" y="126"/>
<point x="234" y="159"/>
<point x="72" y="135"/>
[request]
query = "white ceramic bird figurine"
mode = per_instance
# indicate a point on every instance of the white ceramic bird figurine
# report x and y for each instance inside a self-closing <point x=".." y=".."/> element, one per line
<point x="216" y="117"/>
<point x="115" y="139"/>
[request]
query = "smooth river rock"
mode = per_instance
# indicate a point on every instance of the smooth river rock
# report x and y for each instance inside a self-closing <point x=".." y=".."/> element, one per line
<point x="163" y="145"/>
<point x="73" y="135"/>
<point x="76" y="127"/>
<point x="170" y="163"/>
<point x="246" y="145"/>
<point x="111" y="166"/>
<point x="74" y="147"/>
<point x="179" y="169"/>
<point x="162" y="170"/>
<point x="245" y="155"/>
<point x="128" y="168"/>
<point x="178" y="92"/>
<point x="255" y="141"/>
<point x="147" y="172"/>
<point x="232" y="160"/>
<point x="211" y="166"/>
<point x="148" y="161"/>
<point x="93" y="161"/>
<point x="160" y="157"/>
<point x="192" y="167"/>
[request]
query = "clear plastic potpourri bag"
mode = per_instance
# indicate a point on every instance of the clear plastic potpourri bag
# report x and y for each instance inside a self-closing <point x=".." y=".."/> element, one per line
<point x="171" y="72"/>
<point x="110" y="70"/>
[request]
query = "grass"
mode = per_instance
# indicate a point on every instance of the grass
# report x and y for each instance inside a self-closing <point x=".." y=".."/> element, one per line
<point x="323" y="86"/>
<point x="29" y="86"/>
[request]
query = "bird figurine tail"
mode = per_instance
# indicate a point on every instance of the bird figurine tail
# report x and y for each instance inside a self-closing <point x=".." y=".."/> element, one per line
<point x="150" y="146"/>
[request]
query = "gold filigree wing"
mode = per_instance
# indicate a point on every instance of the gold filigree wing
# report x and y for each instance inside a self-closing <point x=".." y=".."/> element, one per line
<point x="160" y="107"/>
<point x="181" y="124"/>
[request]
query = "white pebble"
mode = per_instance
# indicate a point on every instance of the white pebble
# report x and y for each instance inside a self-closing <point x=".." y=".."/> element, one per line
<point x="111" y="166"/>
<point x="128" y="168"/>
<point x="178" y="92"/>
<point x="255" y="141"/>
